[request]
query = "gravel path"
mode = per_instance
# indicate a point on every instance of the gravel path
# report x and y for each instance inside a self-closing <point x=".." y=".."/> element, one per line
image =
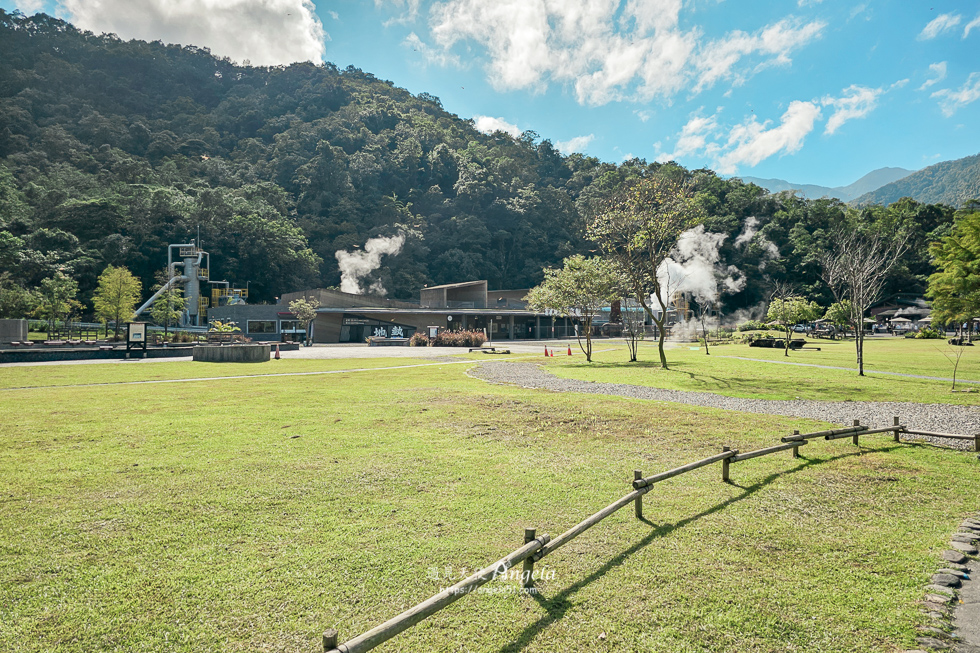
<point x="927" y="417"/>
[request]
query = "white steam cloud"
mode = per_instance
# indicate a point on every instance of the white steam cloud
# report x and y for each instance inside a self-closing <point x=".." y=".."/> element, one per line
<point x="358" y="264"/>
<point x="749" y="231"/>
<point x="693" y="266"/>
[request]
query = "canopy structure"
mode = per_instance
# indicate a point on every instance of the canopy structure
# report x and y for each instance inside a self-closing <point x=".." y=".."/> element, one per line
<point x="900" y="319"/>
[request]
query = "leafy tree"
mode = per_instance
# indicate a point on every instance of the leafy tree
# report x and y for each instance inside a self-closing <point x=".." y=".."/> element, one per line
<point x="56" y="299"/>
<point x="840" y="314"/>
<point x="116" y="297"/>
<point x="169" y="305"/>
<point x="789" y="311"/>
<point x="637" y="231"/>
<point x="581" y="288"/>
<point x="16" y="302"/>
<point x="955" y="288"/>
<point x="305" y="311"/>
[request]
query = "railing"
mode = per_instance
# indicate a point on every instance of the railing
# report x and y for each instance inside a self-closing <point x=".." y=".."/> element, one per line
<point x="536" y="548"/>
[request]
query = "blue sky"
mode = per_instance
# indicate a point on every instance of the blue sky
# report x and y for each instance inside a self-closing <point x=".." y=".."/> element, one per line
<point x="812" y="91"/>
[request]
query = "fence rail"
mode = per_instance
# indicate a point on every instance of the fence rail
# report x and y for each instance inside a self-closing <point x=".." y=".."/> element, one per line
<point x="536" y="548"/>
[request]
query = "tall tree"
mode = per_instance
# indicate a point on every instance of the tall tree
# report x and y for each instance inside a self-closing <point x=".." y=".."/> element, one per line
<point x="305" y="311"/>
<point x="169" y="305"/>
<point x="955" y="288"/>
<point x="116" y="296"/>
<point x="789" y="311"/>
<point x="56" y="298"/>
<point x="856" y="265"/>
<point x="582" y="288"/>
<point x="638" y="230"/>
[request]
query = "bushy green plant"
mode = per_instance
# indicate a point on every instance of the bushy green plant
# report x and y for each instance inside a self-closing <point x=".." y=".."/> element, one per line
<point x="418" y="339"/>
<point x="459" y="339"/>
<point x="928" y="333"/>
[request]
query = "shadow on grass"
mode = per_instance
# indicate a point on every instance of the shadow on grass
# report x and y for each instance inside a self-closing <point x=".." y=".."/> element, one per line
<point x="557" y="605"/>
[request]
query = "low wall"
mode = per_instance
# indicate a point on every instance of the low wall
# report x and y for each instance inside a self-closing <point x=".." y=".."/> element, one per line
<point x="232" y="353"/>
<point x="13" y="330"/>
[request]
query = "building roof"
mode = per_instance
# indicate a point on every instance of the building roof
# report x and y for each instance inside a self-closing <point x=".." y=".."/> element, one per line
<point x="455" y="285"/>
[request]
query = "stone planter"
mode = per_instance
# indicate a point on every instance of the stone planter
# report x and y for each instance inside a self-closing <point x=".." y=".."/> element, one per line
<point x="232" y="353"/>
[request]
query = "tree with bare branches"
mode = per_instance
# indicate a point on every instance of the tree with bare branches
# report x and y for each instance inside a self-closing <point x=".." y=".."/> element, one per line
<point x="856" y="265"/>
<point x="638" y="230"/>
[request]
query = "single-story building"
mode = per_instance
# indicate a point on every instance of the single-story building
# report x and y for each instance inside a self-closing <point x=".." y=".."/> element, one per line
<point x="344" y="317"/>
<point x="271" y="322"/>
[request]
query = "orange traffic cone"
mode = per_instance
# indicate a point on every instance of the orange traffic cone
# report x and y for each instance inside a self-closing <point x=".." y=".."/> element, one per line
<point x="545" y="352"/>
<point x="569" y="350"/>
<point x="277" y="352"/>
<point x="552" y="354"/>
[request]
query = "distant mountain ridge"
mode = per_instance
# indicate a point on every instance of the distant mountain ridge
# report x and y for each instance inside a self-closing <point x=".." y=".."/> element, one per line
<point x="866" y="184"/>
<point x="949" y="182"/>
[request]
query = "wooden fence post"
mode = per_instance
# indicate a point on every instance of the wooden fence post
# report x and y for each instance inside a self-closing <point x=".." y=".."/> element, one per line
<point x="854" y="439"/>
<point x="976" y="442"/>
<point x="895" y="423"/>
<point x="638" y="504"/>
<point x="796" y="450"/>
<point x="329" y="640"/>
<point x="529" y="561"/>
<point x="724" y="465"/>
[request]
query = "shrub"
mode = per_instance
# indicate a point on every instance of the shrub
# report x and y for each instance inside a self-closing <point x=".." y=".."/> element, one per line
<point x="459" y="339"/>
<point x="418" y="339"/>
<point x="928" y="333"/>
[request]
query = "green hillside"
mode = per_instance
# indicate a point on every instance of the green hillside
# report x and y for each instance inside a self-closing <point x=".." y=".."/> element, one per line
<point x="110" y="150"/>
<point x="949" y="182"/>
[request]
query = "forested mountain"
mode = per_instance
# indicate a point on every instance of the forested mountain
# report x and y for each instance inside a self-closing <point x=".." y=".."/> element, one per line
<point x="948" y="182"/>
<point x="869" y="182"/>
<point x="110" y="150"/>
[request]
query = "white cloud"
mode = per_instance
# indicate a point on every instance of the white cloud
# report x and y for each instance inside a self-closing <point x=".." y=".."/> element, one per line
<point x="577" y="144"/>
<point x="693" y="138"/>
<point x="29" y="7"/>
<point x="409" y="15"/>
<point x="969" y="26"/>
<point x="937" y="69"/>
<point x="488" y="125"/>
<point x="950" y="100"/>
<point x="807" y="3"/>
<point x="334" y="15"/>
<point x="751" y="142"/>
<point x="643" y="114"/>
<point x="717" y="60"/>
<point x="266" y="32"/>
<point x="856" y="102"/>
<point x="430" y="54"/>
<point x="938" y="25"/>
<point x="607" y="50"/>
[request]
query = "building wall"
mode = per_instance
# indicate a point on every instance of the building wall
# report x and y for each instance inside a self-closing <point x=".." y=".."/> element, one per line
<point x="471" y="292"/>
<point x="242" y="314"/>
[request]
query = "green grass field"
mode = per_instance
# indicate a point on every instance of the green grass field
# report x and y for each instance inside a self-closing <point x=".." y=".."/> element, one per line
<point x="253" y="513"/>
<point x="724" y="373"/>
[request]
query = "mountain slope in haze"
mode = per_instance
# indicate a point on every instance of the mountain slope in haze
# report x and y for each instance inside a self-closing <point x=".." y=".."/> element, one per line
<point x="948" y="182"/>
<point x="869" y="182"/>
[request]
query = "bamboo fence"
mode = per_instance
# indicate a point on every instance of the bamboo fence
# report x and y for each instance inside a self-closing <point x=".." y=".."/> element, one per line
<point x="536" y="548"/>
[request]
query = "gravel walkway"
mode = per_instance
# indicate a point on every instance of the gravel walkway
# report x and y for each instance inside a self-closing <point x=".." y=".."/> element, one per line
<point x="927" y="417"/>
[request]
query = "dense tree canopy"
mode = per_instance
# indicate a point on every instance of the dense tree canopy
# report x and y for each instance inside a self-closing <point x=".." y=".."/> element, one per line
<point x="110" y="150"/>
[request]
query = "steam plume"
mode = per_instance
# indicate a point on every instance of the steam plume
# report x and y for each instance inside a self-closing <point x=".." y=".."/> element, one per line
<point x="358" y="264"/>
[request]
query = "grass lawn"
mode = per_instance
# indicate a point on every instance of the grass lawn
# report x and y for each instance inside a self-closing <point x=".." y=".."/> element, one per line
<point x="251" y="514"/>
<point x="722" y="372"/>
<point x="28" y="376"/>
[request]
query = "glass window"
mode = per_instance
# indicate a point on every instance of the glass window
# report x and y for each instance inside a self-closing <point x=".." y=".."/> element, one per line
<point x="261" y="326"/>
